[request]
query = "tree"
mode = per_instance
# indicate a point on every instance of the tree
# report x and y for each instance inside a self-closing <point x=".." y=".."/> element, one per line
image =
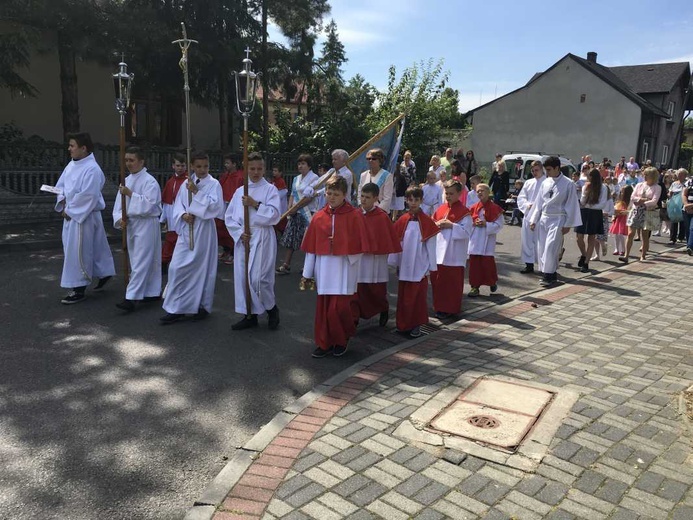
<point x="14" y="55"/>
<point x="430" y="107"/>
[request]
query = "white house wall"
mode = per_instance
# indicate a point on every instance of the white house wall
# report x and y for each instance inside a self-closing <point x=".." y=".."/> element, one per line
<point x="547" y="116"/>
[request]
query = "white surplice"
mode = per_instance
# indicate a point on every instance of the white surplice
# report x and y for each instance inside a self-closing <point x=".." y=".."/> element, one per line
<point x="556" y="206"/>
<point x="417" y="258"/>
<point x="263" y="246"/>
<point x="433" y="194"/>
<point x="86" y="249"/>
<point x="192" y="274"/>
<point x="483" y="239"/>
<point x="472" y="198"/>
<point x="334" y="275"/>
<point x="525" y="203"/>
<point x="143" y="209"/>
<point x="452" y="245"/>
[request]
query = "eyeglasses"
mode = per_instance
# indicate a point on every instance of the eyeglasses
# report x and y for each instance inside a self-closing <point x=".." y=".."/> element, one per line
<point x="372" y="159"/>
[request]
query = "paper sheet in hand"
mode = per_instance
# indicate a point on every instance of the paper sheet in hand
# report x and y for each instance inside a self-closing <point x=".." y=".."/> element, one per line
<point x="51" y="189"/>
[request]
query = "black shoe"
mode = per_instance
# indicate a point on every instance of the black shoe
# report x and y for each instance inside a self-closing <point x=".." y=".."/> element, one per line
<point x="384" y="317"/>
<point x="339" y="350"/>
<point x="415" y="332"/>
<point x="73" y="297"/>
<point x="148" y="299"/>
<point x="582" y="261"/>
<point x="636" y="240"/>
<point x="273" y="318"/>
<point x="493" y="288"/>
<point x="623" y="259"/>
<point x="529" y="269"/>
<point x="201" y="314"/>
<point x="548" y="280"/>
<point x="689" y="251"/>
<point x="126" y="305"/>
<point x="320" y="353"/>
<point x="585" y="268"/>
<point x="246" y="322"/>
<point x="102" y="281"/>
<point x="170" y="318"/>
<point x="442" y="315"/>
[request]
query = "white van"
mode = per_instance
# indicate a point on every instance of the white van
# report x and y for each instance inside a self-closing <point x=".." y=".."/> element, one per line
<point x="526" y="159"/>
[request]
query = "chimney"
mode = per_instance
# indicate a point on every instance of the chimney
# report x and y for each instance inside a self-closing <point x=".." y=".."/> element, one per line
<point x="592" y="57"/>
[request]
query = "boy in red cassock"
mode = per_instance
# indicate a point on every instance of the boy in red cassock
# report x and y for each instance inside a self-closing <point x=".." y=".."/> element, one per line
<point x="455" y="223"/>
<point x="230" y="181"/>
<point x="488" y="221"/>
<point x="416" y="232"/>
<point x="168" y="197"/>
<point x="334" y="243"/>
<point x="373" y="273"/>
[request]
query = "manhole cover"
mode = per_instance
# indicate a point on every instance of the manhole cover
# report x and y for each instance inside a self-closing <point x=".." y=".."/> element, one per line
<point x="483" y="421"/>
<point x="493" y="412"/>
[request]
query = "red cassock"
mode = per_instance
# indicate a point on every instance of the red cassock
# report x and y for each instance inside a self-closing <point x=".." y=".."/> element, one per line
<point x="412" y="297"/>
<point x="168" y="196"/>
<point x="230" y="182"/>
<point x="482" y="268"/>
<point x="448" y="281"/>
<point x="382" y="240"/>
<point x="334" y="313"/>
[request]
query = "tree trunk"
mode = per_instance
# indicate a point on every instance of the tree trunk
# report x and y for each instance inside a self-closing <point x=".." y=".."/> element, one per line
<point x="68" y="84"/>
<point x="263" y="78"/>
<point x="223" y="112"/>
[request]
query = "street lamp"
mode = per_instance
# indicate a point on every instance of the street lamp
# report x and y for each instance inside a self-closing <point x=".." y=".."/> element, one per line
<point x="122" y="83"/>
<point x="246" y="83"/>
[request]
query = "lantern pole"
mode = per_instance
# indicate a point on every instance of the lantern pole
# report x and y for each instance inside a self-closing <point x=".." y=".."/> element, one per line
<point x="246" y="82"/>
<point x="122" y="82"/>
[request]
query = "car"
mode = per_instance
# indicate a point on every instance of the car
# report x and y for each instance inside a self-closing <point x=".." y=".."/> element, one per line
<point x="525" y="159"/>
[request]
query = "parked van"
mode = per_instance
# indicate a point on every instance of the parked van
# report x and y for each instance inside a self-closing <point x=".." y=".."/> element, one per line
<point x="525" y="160"/>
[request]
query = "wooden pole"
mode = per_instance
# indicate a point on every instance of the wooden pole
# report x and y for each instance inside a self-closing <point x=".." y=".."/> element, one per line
<point x="246" y="218"/>
<point x="123" y="214"/>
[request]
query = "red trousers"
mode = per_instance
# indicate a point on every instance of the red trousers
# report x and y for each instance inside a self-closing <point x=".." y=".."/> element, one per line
<point x="334" y="319"/>
<point x="412" y="304"/>
<point x="170" y="239"/>
<point x="223" y="237"/>
<point x="482" y="271"/>
<point x="372" y="299"/>
<point x="448" y="287"/>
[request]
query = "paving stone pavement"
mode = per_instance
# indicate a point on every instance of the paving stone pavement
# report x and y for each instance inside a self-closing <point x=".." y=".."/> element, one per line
<point x="620" y="339"/>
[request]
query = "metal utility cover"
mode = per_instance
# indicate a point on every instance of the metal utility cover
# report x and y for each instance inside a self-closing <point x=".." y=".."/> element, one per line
<point x="494" y="412"/>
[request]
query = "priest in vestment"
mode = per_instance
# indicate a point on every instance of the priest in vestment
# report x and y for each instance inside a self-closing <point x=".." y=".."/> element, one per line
<point x="373" y="272"/>
<point x="416" y="232"/>
<point x="168" y="197"/>
<point x="455" y="223"/>
<point x="487" y="219"/>
<point x="193" y="272"/>
<point x="86" y="249"/>
<point x="142" y="210"/>
<point x="334" y="243"/>
<point x="556" y="210"/>
<point x="263" y="213"/>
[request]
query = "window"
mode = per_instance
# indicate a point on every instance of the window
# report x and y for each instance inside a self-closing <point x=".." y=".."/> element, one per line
<point x="645" y="150"/>
<point x="670" y="109"/>
<point x="665" y="154"/>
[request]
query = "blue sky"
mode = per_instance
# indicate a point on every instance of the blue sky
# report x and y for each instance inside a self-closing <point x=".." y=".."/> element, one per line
<point x="494" y="46"/>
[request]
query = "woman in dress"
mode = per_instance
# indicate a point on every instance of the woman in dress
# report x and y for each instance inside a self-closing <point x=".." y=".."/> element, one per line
<point x="643" y="214"/>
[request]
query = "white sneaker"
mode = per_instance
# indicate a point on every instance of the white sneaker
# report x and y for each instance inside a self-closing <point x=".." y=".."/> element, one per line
<point x="656" y="234"/>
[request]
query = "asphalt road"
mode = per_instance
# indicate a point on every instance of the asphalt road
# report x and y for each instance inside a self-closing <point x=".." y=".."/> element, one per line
<point x="105" y="415"/>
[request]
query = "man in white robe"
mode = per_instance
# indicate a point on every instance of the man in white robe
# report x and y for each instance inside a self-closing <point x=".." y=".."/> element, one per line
<point x="192" y="273"/>
<point x="86" y="249"/>
<point x="142" y="211"/>
<point x="263" y="212"/>
<point x="556" y="210"/>
<point x="525" y="202"/>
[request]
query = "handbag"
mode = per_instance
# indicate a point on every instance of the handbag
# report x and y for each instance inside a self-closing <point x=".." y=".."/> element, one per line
<point x="636" y="217"/>
<point x="675" y="208"/>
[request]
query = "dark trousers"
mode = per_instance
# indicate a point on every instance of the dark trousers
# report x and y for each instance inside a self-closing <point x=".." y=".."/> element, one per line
<point x="678" y="231"/>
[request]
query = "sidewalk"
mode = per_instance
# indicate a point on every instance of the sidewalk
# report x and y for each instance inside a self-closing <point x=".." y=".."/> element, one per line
<point x="620" y="343"/>
<point x="35" y="237"/>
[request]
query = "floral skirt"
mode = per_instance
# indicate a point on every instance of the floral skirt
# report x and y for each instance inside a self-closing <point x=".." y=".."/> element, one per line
<point x="294" y="231"/>
<point x="604" y="237"/>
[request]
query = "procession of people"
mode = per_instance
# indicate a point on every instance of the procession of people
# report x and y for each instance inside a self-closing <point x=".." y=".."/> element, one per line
<point x="433" y="231"/>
